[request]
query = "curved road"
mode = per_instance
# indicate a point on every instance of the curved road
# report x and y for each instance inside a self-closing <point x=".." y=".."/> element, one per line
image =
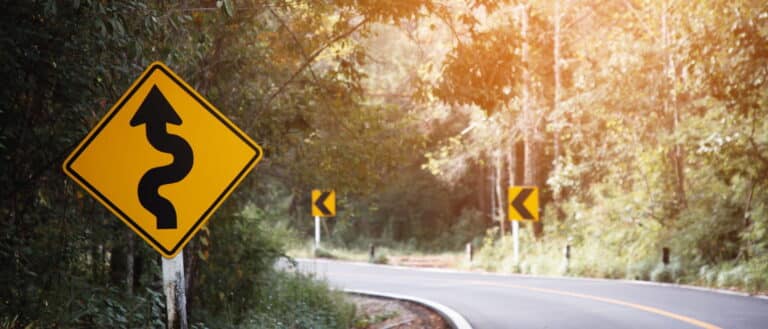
<point x="490" y="301"/>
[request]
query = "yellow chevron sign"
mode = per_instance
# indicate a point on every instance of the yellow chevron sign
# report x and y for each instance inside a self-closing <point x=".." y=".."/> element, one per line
<point x="523" y="203"/>
<point x="323" y="203"/>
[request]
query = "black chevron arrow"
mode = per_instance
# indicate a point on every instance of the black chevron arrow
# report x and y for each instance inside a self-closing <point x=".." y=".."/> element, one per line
<point x="518" y="203"/>
<point x="320" y="203"/>
<point x="156" y="112"/>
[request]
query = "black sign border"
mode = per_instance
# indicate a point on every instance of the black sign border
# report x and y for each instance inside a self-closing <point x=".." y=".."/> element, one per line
<point x="216" y="203"/>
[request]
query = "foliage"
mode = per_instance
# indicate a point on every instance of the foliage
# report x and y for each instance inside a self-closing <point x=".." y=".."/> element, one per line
<point x="241" y="256"/>
<point x="655" y="140"/>
<point x="323" y="253"/>
<point x="646" y="121"/>
<point x="292" y="300"/>
<point x="67" y="262"/>
<point x="298" y="302"/>
<point x="381" y="258"/>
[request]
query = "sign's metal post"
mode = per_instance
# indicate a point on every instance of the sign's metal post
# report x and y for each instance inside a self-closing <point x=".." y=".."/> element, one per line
<point x="323" y="205"/>
<point x="516" y="240"/>
<point x="174" y="288"/>
<point x="317" y="232"/>
<point x="523" y="205"/>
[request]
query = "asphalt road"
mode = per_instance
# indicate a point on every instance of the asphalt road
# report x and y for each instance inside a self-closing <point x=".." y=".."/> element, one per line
<point x="514" y="301"/>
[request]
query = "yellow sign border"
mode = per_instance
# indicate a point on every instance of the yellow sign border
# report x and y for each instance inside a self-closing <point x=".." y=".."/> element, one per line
<point x="69" y="171"/>
<point x="319" y="193"/>
<point x="511" y="198"/>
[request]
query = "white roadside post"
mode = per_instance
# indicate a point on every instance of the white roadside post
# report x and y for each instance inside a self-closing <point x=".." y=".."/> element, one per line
<point x="317" y="232"/>
<point x="516" y="240"/>
<point x="174" y="286"/>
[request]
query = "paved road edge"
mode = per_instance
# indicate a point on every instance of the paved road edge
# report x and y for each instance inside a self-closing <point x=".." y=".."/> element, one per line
<point x="454" y="319"/>
<point x="629" y="281"/>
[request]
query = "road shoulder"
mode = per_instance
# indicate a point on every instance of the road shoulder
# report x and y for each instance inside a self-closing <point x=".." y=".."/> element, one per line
<point x="452" y="318"/>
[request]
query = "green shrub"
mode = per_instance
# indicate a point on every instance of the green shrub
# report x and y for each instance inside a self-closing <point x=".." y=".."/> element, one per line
<point x="757" y="280"/>
<point x="671" y="273"/>
<point x="302" y="302"/>
<point x="241" y="256"/>
<point x="707" y="275"/>
<point x="641" y="270"/>
<point x="662" y="273"/>
<point x="95" y="307"/>
<point x="380" y="259"/>
<point x="731" y="277"/>
<point x="323" y="253"/>
<point x="9" y="322"/>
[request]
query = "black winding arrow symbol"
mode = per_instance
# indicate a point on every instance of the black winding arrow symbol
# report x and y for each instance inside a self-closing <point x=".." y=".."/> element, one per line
<point x="320" y="203"/>
<point x="517" y="203"/>
<point x="156" y="112"/>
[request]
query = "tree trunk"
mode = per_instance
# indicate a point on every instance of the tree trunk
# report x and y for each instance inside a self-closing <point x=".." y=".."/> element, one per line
<point x="511" y="163"/>
<point x="499" y="195"/>
<point x="129" y="262"/>
<point x="117" y="265"/>
<point x="558" y="86"/>
<point x="492" y="189"/>
<point x="671" y="108"/>
<point x="192" y="257"/>
<point x="529" y="120"/>
<point x="557" y="194"/>
<point x="95" y="259"/>
<point x="482" y="203"/>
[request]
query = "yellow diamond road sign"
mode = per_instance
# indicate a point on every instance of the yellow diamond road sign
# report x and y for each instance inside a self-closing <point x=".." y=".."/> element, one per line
<point x="523" y="203"/>
<point x="323" y="203"/>
<point x="163" y="159"/>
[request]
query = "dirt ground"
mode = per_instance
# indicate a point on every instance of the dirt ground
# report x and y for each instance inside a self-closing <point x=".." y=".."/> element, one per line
<point x="442" y="261"/>
<point x="380" y="313"/>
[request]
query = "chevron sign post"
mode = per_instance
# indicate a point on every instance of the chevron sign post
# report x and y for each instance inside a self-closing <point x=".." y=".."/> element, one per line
<point x="523" y="205"/>
<point x="323" y="205"/>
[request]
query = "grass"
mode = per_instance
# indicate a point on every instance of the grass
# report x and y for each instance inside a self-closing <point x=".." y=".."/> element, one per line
<point x="302" y="301"/>
<point x="587" y="260"/>
<point x="383" y="254"/>
<point x="372" y="319"/>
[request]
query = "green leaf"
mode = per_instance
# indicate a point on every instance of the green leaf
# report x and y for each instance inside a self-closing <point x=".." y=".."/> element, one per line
<point x="229" y="8"/>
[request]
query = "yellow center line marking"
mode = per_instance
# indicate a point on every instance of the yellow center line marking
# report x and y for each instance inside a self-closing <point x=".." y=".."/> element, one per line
<point x="649" y="309"/>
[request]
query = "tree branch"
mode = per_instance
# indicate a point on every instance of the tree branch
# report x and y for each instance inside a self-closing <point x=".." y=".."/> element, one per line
<point x="309" y="61"/>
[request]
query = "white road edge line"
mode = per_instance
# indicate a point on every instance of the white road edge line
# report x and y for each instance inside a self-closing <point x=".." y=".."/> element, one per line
<point x="496" y="274"/>
<point x="456" y="320"/>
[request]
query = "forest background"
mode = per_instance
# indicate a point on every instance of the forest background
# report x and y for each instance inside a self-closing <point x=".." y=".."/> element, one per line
<point x="642" y="122"/>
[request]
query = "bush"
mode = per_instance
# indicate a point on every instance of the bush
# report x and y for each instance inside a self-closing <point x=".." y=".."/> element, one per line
<point x="662" y="273"/>
<point x="641" y="270"/>
<point x="241" y="256"/>
<point x="323" y="253"/>
<point x="707" y="275"/>
<point x="380" y="259"/>
<point x="750" y="275"/>
<point x="294" y="300"/>
<point x="757" y="280"/>
<point x="731" y="277"/>
<point x="671" y="273"/>
<point x="468" y="225"/>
